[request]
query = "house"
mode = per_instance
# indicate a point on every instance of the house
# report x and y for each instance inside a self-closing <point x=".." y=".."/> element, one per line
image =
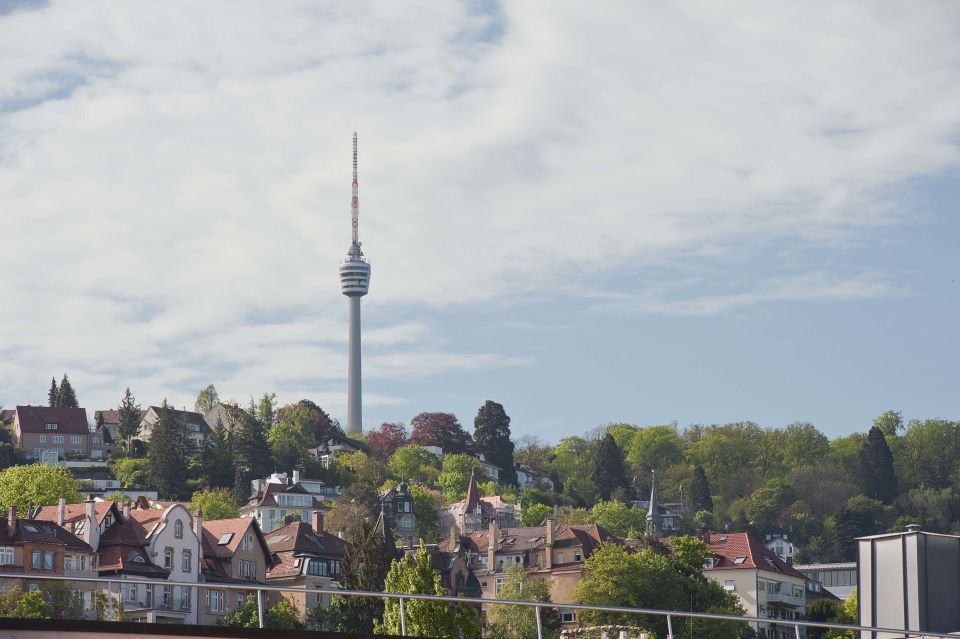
<point x="279" y="497"/>
<point x="475" y="512"/>
<point x="555" y="553"/>
<point x="335" y="444"/>
<point x="196" y="426"/>
<point x="31" y="546"/>
<point x="451" y="558"/>
<point x="234" y="552"/>
<point x="58" y="431"/>
<point x="528" y="478"/>
<point x="767" y="586"/>
<point x="491" y="471"/>
<point x="839" y="579"/>
<point x="397" y="507"/>
<point x="777" y="539"/>
<point x="307" y="557"/>
<point x="662" y="519"/>
<point x="315" y="487"/>
<point x="111" y="422"/>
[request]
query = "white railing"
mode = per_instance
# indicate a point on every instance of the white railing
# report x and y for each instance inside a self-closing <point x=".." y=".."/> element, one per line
<point x="670" y="615"/>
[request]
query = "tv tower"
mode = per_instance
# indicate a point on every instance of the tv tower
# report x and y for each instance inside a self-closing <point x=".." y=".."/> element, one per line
<point x="354" y="282"/>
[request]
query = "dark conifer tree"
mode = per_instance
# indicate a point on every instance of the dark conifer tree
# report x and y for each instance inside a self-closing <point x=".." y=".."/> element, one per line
<point x="168" y="454"/>
<point x="129" y="416"/>
<point x="609" y="473"/>
<point x="217" y="459"/>
<point x="53" y="395"/>
<point x="251" y="456"/>
<point x="876" y="466"/>
<point x="67" y="396"/>
<point x="491" y="436"/>
<point x="366" y="562"/>
<point x="700" y="491"/>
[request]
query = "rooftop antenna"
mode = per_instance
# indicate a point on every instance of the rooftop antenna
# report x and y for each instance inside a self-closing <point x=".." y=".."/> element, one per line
<point x="355" y="202"/>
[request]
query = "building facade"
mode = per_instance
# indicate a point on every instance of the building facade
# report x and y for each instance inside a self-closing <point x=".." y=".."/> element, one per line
<point x="307" y="557"/>
<point x="196" y="426"/>
<point x="60" y="430"/>
<point x="234" y="552"/>
<point x="278" y="498"/>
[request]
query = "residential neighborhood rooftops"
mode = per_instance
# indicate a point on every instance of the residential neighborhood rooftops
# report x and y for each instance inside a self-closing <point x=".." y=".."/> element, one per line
<point x="58" y="420"/>
<point x="296" y="541"/>
<point x="36" y="531"/>
<point x="734" y="551"/>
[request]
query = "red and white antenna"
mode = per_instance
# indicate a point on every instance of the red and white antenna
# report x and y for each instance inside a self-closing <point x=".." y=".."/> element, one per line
<point x="355" y="202"/>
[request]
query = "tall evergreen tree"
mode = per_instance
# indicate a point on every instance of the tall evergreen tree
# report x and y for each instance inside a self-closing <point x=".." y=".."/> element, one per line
<point x="129" y="418"/>
<point x="266" y="410"/>
<point x="609" y="473"/>
<point x="217" y="460"/>
<point x="876" y="466"/>
<point x="491" y="434"/>
<point x="67" y="396"/>
<point x="700" y="491"/>
<point x="53" y="395"/>
<point x="168" y="455"/>
<point x="251" y="452"/>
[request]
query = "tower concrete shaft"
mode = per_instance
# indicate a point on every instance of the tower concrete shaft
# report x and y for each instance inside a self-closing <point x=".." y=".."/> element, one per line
<point x="354" y="283"/>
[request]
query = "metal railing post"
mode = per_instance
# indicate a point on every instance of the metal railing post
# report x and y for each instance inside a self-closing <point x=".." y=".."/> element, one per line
<point x="539" y="623"/>
<point x="260" y="606"/>
<point x="796" y="630"/>
<point x="109" y="601"/>
<point x="403" y="618"/>
<point x="669" y="627"/>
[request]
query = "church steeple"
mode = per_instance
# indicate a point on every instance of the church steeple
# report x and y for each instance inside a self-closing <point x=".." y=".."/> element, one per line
<point x="653" y="517"/>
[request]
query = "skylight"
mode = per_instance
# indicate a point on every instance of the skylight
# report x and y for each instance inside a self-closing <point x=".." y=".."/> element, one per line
<point x="739" y="560"/>
<point x="225" y="539"/>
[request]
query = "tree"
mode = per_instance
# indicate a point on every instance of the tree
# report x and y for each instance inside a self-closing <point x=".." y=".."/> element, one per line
<point x="574" y="459"/>
<point x="36" y="485"/>
<point x="520" y="622"/>
<point x="455" y="475"/>
<point x="608" y="474"/>
<point x="248" y="443"/>
<point x="131" y="473"/>
<point x="217" y="459"/>
<point x="18" y="604"/>
<point x="876" y="463"/>
<point x="385" y="442"/>
<point x="491" y="435"/>
<point x="655" y="447"/>
<point x="214" y="503"/>
<point x="618" y="518"/>
<point x="534" y="514"/>
<point x="365" y="564"/>
<point x="282" y="615"/>
<point x="206" y="399"/>
<point x="11" y="455"/>
<point x="861" y="516"/>
<point x="803" y="444"/>
<point x="65" y="602"/>
<point x="312" y="420"/>
<point x="414" y="463"/>
<point x="67" y="397"/>
<point x="53" y="395"/>
<point x="107" y="607"/>
<point x="700" y="490"/>
<point x="128" y="416"/>
<point x="425" y="618"/>
<point x="534" y="454"/>
<point x="288" y="445"/>
<point x="348" y="517"/>
<point x="266" y="409"/>
<point x="363" y="467"/>
<point x="168" y="454"/>
<point x="441" y="430"/>
<point x="426" y="504"/>
<point x="890" y="423"/>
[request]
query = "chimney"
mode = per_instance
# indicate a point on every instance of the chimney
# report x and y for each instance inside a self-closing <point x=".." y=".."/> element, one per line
<point x="548" y="546"/>
<point x="11" y="520"/>
<point x="316" y="520"/>
<point x="340" y="534"/>
<point x="91" y="528"/>
<point x="454" y="534"/>
<point x="61" y="510"/>
<point x="492" y="535"/>
<point x="126" y="511"/>
<point x="296" y="476"/>
<point x="198" y="530"/>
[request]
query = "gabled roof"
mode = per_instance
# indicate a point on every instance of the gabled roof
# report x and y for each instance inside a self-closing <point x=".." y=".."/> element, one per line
<point x="72" y="421"/>
<point x="35" y="531"/>
<point x="183" y="416"/>
<point x="472" y="500"/>
<point x="298" y="541"/>
<point x="217" y="556"/>
<point x="122" y="551"/>
<point x="736" y="551"/>
<point x="75" y="513"/>
<point x="111" y="417"/>
<point x="266" y="496"/>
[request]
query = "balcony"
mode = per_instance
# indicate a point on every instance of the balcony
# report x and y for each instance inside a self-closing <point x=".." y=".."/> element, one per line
<point x="785" y="599"/>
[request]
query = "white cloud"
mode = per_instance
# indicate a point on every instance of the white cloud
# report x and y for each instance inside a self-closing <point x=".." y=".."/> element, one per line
<point x="175" y="213"/>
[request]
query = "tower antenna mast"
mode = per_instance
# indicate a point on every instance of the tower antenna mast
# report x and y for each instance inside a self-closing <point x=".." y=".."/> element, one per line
<point x="355" y="202"/>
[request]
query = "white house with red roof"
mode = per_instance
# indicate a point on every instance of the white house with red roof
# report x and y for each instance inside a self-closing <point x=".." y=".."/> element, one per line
<point x="767" y="586"/>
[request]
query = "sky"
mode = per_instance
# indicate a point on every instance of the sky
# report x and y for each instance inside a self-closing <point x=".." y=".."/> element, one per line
<point x="636" y="212"/>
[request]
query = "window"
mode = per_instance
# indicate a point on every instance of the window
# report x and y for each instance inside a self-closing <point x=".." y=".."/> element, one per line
<point x="37" y="560"/>
<point x="406" y="522"/>
<point x="51" y="427"/>
<point x="168" y="558"/>
<point x="248" y="569"/>
<point x="43" y="439"/>
<point x="729" y="584"/>
<point x="95" y="440"/>
<point x="166" y="597"/>
<point x="184" y="598"/>
<point x="560" y="558"/>
<point x="215" y="600"/>
<point x="318" y="568"/>
<point x="577" y="556"/>
<point x="178" y="529"/>
<point x="186" y="561"/>
<point x="739" y="560"/>
<point x="225" y="539"/>
<point x="76" y="439"/>
<point x="248" y="542"/>
<point x="568" y="617"/>
<point x="6" y="556"/>
<point x="130" y="592"/>
<point x="58" y="439"/>
<point x="335" y="567"/>
<point x="42" y="560"/>
<point x="499" y="584"/>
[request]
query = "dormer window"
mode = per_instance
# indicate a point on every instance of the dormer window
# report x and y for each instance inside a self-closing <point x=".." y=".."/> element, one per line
<point x="52" y="426"/>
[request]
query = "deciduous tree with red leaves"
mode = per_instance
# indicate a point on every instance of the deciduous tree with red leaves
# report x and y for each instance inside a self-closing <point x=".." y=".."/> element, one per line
<point x="387" y="440"/>
<point x="440" y="429"/>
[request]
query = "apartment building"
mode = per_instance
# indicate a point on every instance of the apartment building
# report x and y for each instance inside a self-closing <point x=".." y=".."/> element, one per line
<point x="307" y="557"/>
<point x="234" y="552"/>
<point x="279" y="497"/>
<point x="56" y="430"/>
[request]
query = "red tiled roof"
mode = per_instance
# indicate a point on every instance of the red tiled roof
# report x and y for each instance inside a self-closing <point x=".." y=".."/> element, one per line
<point x="736" y="551"/>
<point x="42" y="532"/>
<point x="33" y="419"/>
<point x="297" y="540"/>
<point x="74" y="512"/>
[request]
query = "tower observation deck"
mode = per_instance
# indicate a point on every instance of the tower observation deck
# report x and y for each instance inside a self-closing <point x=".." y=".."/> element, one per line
<point x="354" y="283"/>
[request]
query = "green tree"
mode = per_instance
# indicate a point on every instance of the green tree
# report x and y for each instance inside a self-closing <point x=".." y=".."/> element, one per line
<point x="248" y="442"/>
<point x="365" y="564"/>
<point x="53" y="395"/>
<point x="491" y="435"/>
<point x="168" y="454"/>
<point x="11" y="455"/>
<point x="214" y="503"/>
<point x="876" y="464"/>
<point x="414" y="463"/>
<point x="890" y="423"/>
<point x="534" y="514"/>
<point x="700" y="490"/>
<point x="206" y="399"/>
<point x="282" y="615"/>
<point x="266" y="409"/>
<point x="803" y="444"/>
<point x="573" y="461"/>
<point x="107" y="607"/>
<point x="67" y="396"/>
<point x="131" y="473"/>
<point x="288" y="445"/>
<point x="128" y="415"/>
<point x="456" y="475"/>
<point x="655" y="447"/>
<point x="65" y="602"/>
<point x="520" y="622"/>
<point x="426" y="504"/>
<point x="618" y="518"/>
<point x="36" y="485"/>
<point x="348" y="517"/>
<point x="312" y="420"/>
<point x="415" y="575"/>
<point x="18" y="604"/>
<point x="608" y="473"/>
<point x="217" y="458"/>
<point x="860" y="517"/>
<point x="363" y="467"/>
<point x="704" y="521"/>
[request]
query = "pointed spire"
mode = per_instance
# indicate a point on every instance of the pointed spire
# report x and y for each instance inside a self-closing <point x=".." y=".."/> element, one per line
<point x="383" y="528"/>
<point x="653" y="521"/>
<point x="473" y="494"/>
